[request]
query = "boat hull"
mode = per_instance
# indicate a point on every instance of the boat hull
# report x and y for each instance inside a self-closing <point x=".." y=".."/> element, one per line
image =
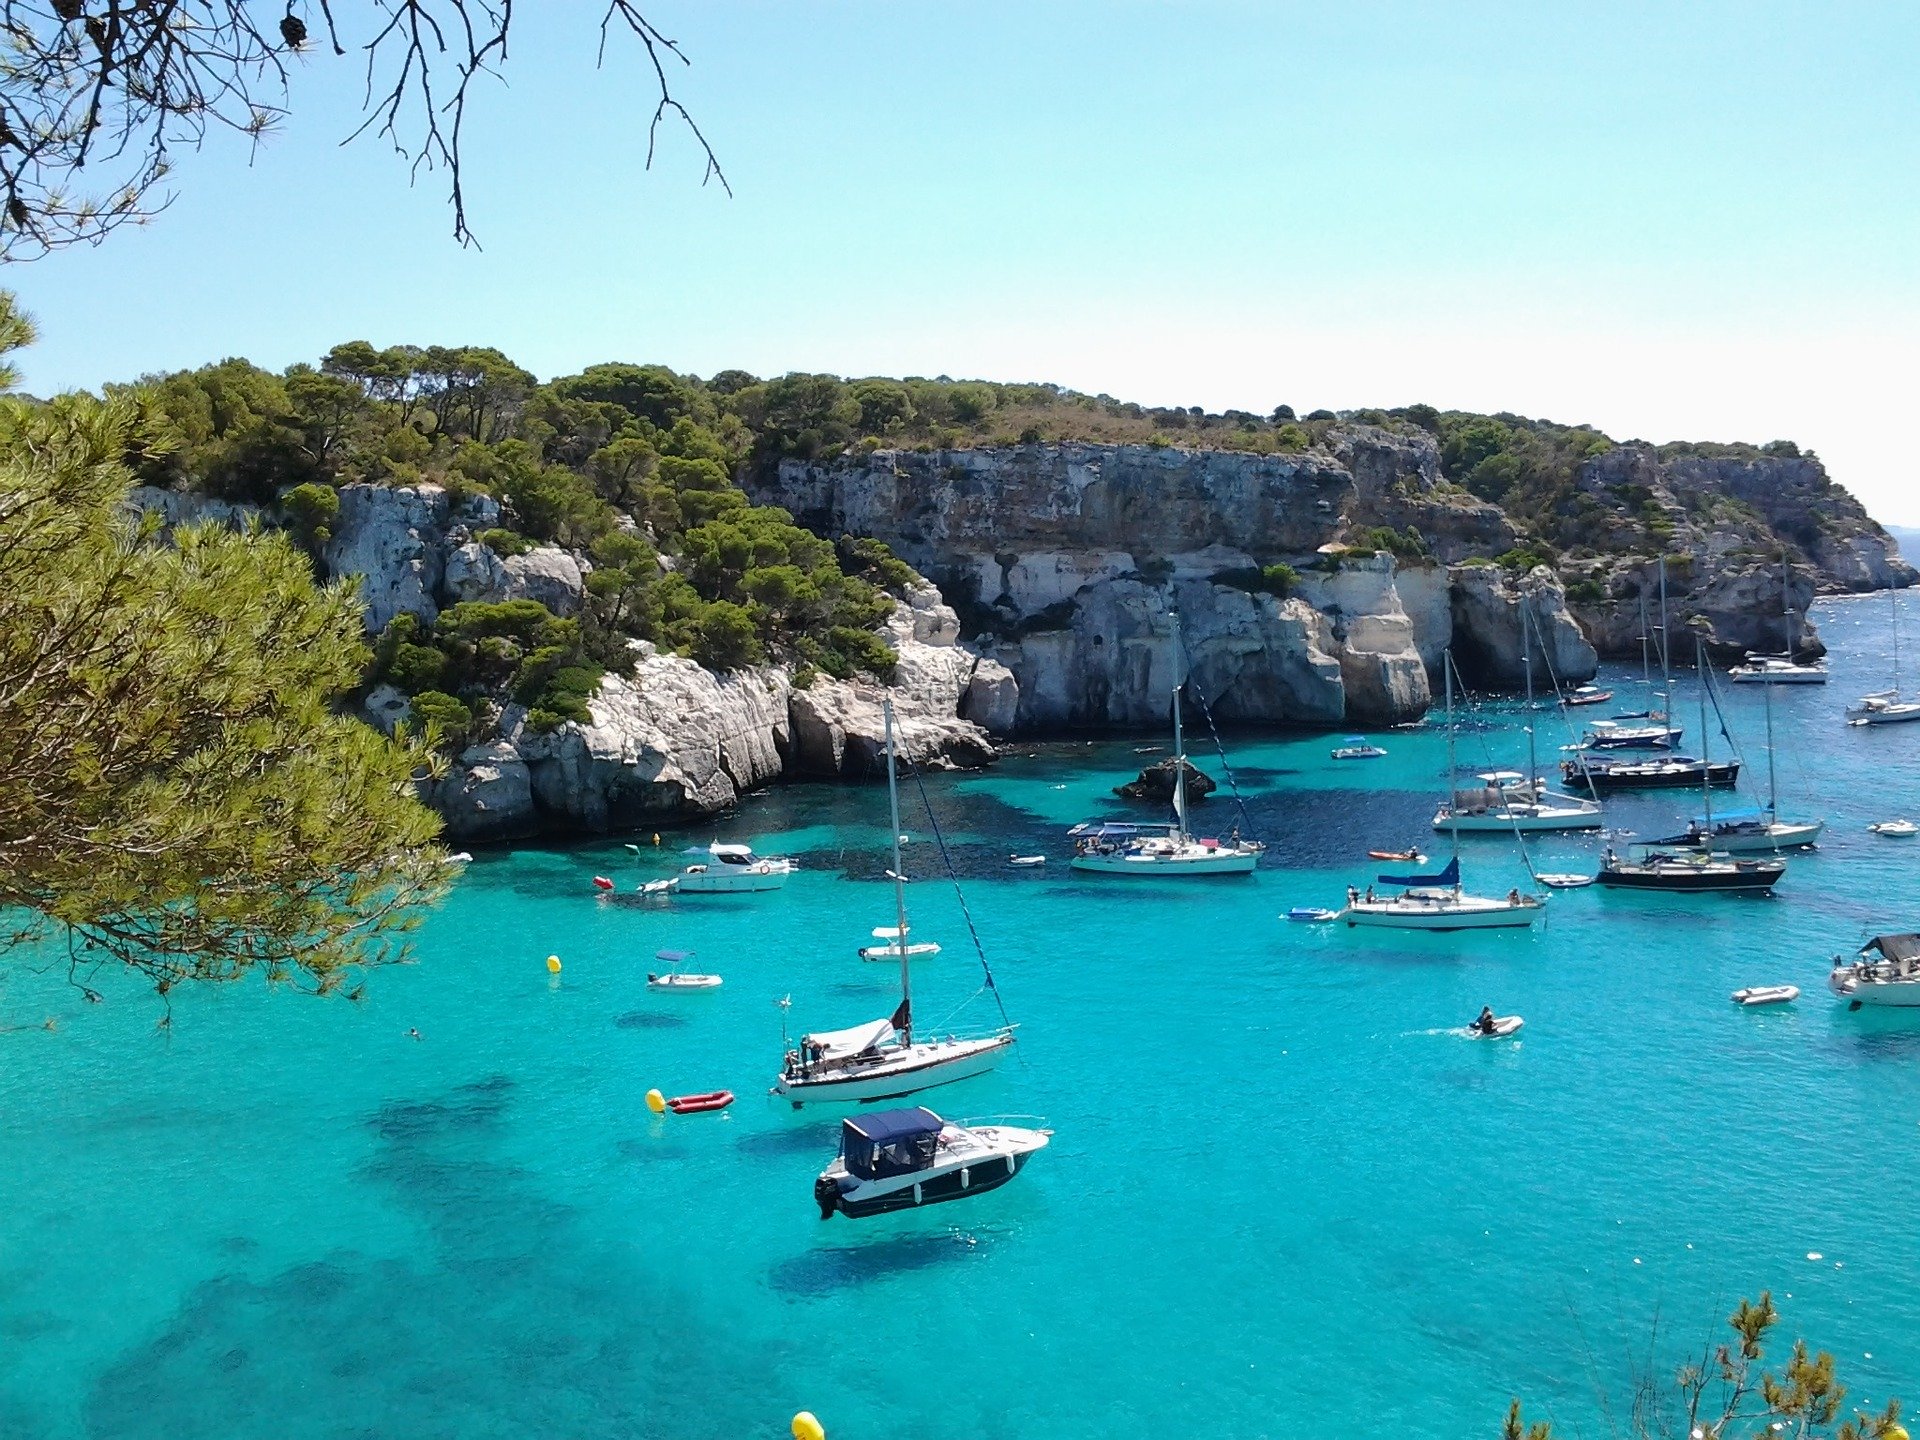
<point x="745" y="883"/>
<point x="1440" y="917"/>
<point x="1523" y="818"/>
<point x="1701" y="881"/>
<point x="1803" y="677"/>
<point x="1653" y="777"/>
<point x="1768" y="842"/>
<point x="893" y="1079"/>
<point x="1218" y="863"/>
<point x="1891" y="715"/>
<point x="961" y="1184"/>
<point x="1886" y="994"/>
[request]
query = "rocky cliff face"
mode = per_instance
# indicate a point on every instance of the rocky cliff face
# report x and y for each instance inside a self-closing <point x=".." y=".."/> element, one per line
<point x="1071" y="559"/>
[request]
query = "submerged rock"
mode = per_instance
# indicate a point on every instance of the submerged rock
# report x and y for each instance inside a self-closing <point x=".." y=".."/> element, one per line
<point x="1156" y="782"/>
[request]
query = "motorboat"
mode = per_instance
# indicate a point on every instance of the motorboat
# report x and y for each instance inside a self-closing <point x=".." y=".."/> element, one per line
<point x="1168" y="848"/>
<point x="1588" y="695"/>
<point x="1614" y="735"/>
<point x="674" y="978"/>
<point x="1780" y="668"/>
<point x="1312" y="914"/>
<point x="731" y="869"/>
<point x="1885" y="972"/>
<point x="1497" y="1028"/>
<point x="1777" y="670"/>
<point x="1766" y="995"/>
<point x="1745" y="832"/>
<point x="894" y="949"/>
<point x="1507" y="801"/>
<point x="1885" y="707"/>
<point x="899" y="1159"/>
<point x="1895" y="829"/>
<point x="1688" y="872"/>
<point x="1025" y="861"/>
<point x="881" y="1060"/>
<point x="1667" y="772"/>
<point x="1357" y="747"/>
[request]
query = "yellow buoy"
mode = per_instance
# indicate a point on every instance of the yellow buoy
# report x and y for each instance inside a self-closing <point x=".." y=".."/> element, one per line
<point x="656" y="837"/>
<point x="1895" y="1431"/>
<point x="805" y="1427"/>
<point x="553" y="964"/>
<point x="656" y="1102"/>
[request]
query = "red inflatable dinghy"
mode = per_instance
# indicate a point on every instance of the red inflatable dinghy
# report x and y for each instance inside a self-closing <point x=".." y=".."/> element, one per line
<point x="601" y="882"/>
<point x="692" y="1104"/>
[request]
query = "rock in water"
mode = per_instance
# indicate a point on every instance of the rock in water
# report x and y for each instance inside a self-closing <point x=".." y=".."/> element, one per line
<point x="1156" y="783"/>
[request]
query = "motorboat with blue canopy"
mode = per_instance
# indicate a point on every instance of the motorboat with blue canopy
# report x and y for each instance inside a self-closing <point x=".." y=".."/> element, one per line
<point x="900" y="1159"/>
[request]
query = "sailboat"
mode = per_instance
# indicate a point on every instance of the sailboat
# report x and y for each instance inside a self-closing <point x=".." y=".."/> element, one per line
<point x="1749" y="832"/>
<point x="1885" y="707"/>
<point x="1165" y="849"/>
<point x="1437" y="902"/>
<point x="1654" y="730"/>
<point x="1511" y="802"/>
<point x="1780" y="669"/>
<point x="881" y="1060"/>
<point x="1704" y="869"/>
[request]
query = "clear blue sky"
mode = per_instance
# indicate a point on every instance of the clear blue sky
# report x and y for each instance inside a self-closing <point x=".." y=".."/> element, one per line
<point x="1673" y="221"/>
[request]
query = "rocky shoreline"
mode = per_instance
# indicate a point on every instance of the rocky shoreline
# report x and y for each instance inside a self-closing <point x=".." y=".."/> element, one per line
<point x="1057" y="572"/>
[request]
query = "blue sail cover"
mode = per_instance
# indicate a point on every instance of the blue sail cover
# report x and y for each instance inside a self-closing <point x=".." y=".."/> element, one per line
<point x="889" y="1142"/>
<point x="1448" y="876"/>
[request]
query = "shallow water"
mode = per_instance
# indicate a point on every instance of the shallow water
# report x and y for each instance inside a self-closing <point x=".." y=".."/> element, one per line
<point x="1285" y="1194"/>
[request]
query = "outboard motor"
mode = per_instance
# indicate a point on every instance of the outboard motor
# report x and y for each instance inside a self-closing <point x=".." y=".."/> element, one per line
<point x="826" y="1195"/>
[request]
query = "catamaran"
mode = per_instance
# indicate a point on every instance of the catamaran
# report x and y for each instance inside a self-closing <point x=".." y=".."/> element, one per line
<point x="881" y="1060"/>
<point x="1163" y="849"/>
<point x="1885" y="707"/>
<point x="1437" y="902"/>
<point x="1780" y="669"/>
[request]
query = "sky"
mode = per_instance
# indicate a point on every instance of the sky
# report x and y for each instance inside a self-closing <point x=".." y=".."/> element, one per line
<point x="1670" y="221"/>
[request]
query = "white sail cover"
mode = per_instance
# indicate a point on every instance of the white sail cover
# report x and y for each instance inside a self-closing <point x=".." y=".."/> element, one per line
<point x="840" y="1044"/>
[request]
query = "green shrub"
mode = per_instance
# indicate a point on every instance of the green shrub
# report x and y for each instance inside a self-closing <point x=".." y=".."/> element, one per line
<point x="312" y="511"/>
<point x="1586" y="592"/>
<point x="504" y="542"/>
<point x="452" y="719"/>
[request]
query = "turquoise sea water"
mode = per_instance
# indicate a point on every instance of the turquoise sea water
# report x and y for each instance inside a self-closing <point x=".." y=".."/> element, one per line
<point x="1284" y="1196"/>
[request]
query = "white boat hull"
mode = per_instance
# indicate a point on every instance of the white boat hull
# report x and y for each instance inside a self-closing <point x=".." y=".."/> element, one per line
<point x="1767" y="995"/>
<point x="1896" y="994"/>
<point x="1780" y="836"/>
<point x="925" y="1066"/>
<point x="1209" y="862"/>
<point x="741" y="882"/>
<point x="1884" y="715"/>
<point x="1453" y="912"/>
<point x="1526" y="818"/>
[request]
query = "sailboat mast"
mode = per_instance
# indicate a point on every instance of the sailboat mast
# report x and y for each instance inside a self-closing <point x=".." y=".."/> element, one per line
<point x="1179" y="740"/>
<point x="1453" y="809"/>
<point x="1526" y="660"/>
<point x="899" y="884"/>
<point x="1706" y="775"/>
<point x="1666" y="651"/>
<point x="1894" y="595"/>
<point x="1646" y="665"/>
<point x="1773" y="782"/>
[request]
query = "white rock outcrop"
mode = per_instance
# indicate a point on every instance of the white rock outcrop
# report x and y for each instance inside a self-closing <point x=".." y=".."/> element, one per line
<point x="395" y="539"/>
<point x="547" y="574"/>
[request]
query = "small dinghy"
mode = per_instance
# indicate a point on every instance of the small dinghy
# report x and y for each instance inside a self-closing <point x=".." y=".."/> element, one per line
<point x="1026" y="859"/>
<point x="658" y="888"/>
<point x="893" y="949"/>
<point x="1766" y="995"/>
<point x="1498" y="1028"/>
<point x="1568" y="881"/>
<point x="673" y="978"/>
<point x="1895" y="829"/>
<point x="1404" y="857"/>
<point x="1312" y="914"/>
<point x="601" y="882"/>
<point x="1589" y="695"/>
<point x="694" y="1104"/>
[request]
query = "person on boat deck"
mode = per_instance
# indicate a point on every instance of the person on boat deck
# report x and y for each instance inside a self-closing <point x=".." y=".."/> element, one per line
<point x="1353" y="894"/>
<point x="1513" y="896"/>
<point x="1485" y="1023"/>
<point x="1369" y="894"/>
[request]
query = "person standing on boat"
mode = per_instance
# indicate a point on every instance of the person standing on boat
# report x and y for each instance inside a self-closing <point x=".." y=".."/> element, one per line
<point x="1486" y="1021"/>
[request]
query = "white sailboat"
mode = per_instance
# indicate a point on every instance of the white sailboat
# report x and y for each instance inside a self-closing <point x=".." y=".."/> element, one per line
<point x="881" y="1060"/>
<point x="1509" y="802"/>
<point x="1437" y="902"/>
<point x="1886" y="972"/>
<point x="1749" y="832"/>
<point x="1780" y="669"/>
<point x="1166" y="849"/>
<point x="1885" y="707"/>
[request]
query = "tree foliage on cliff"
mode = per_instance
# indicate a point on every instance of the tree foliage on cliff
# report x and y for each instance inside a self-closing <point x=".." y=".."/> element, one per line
<point x="182" y="797"/>
<point x="103" y="94"/>
<point x="1728" y="1392"/>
